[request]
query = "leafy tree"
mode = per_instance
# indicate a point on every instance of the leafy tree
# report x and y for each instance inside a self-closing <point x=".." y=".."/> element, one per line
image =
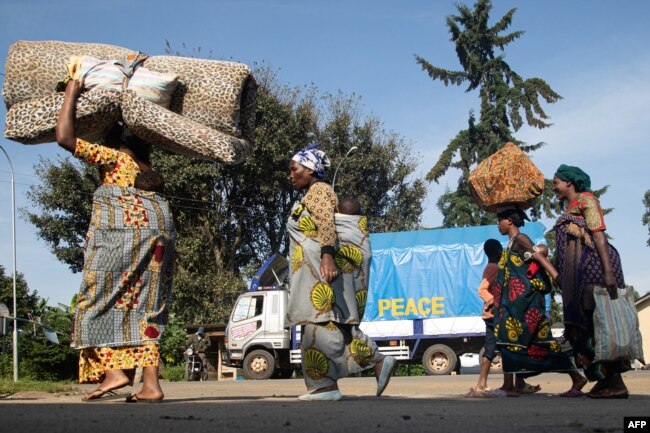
<point x="507" y="101"/>
<point x="646" y="215"/>
<point x="38" y="358"/>
<point x="65" y="199"/>
<point x="230" y="218"/>
<point x="42" y="359"/>
<point x="26" y="302"/>
<point x="173" y="342"/>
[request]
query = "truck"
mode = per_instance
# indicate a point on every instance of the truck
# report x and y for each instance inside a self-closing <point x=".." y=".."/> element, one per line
<point x="422" y="304"/>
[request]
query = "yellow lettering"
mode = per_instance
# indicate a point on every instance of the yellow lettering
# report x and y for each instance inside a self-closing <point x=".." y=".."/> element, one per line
<point x="397" y="307"/>
<point x="410" y="307"/>
<point x="437" y="305"/>
<point x="421" y="308"/>
<point x="434" y="306"/>
<point x="383" y="305"/>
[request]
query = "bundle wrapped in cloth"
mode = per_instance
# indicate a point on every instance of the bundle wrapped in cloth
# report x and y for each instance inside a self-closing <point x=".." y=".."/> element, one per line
<point x="200" y="108"/>
<point x="507" y="177"/>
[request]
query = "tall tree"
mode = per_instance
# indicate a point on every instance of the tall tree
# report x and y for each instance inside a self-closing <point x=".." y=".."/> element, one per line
<point x="230" y="218"/>
<point x="507" y="100"/>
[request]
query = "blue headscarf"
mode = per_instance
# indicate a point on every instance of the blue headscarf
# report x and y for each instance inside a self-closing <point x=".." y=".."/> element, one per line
<point x="314" y="159"/>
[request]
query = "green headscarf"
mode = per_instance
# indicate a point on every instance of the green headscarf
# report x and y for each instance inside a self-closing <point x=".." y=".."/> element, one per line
<point x="575" y="175"/>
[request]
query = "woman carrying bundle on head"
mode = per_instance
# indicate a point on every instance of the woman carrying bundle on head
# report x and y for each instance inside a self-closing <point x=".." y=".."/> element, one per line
<point x="523" y="332"/>
<point x="123" y="302"/>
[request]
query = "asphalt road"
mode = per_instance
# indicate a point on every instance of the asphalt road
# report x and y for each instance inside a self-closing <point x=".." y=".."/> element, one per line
<point x="410" y="404"/>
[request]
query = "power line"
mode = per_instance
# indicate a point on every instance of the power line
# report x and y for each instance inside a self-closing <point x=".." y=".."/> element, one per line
<point x="220" y="205"/>
<point x="168" y="197"/>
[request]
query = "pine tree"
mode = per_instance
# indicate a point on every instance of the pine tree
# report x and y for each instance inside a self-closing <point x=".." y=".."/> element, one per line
<point x="507" y="100"/>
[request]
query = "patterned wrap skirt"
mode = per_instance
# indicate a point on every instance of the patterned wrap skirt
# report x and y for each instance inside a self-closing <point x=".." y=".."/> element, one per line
<point x="332" y="344"/>
<point x="522" y="330"/>
<point x="581" y="271"/>
<point x="122" y="305"/>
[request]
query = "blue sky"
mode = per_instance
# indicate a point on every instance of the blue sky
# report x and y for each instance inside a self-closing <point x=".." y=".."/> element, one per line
<point x="595" y="53"/>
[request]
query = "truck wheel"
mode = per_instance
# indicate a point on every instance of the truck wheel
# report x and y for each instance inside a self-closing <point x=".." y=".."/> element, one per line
<point x="259" y="365"/>
<point x="497" y="366"/>
<point x="439" y="360"/>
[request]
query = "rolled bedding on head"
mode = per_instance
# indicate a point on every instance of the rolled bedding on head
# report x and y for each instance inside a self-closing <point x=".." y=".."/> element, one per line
<point x="34" y="121"/>
<point x="211" y="103"/>
<point x="180" y="134"/>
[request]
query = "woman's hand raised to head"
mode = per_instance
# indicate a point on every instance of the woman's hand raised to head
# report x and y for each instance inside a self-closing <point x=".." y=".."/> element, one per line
<point x="328" y="269"/>
<point x="65" y="133"/>
<point x="73" y="89"/>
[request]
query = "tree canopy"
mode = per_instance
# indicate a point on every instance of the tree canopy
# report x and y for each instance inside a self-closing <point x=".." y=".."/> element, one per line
<point x="507" y="101"/>
<point x="39" y="358"/>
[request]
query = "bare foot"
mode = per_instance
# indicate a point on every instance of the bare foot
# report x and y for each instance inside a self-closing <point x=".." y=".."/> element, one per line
<point x="146" y="394"/>
<point x="601" y="384"/>
<point x="579" y="384"/>
<point x="115" y="379"/>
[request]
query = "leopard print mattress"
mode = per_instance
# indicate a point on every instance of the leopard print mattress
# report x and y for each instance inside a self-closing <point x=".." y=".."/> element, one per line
<point x="213" y="107"/>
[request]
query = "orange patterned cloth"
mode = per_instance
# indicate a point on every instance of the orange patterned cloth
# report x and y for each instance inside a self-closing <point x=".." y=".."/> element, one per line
<point x="116" y="168"/>
<point x="507" y="177"/>
<point x="95" y="361"/>
<point x="587" y="205"/>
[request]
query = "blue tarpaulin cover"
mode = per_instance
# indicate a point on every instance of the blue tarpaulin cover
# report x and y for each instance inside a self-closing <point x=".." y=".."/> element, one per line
<point x="431" y="273"/>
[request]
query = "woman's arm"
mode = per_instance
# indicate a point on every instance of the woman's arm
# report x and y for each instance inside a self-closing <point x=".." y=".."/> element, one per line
<point x="593" y="214"/>
<point x="545" y="263"/>
<point x="602" y="246"/>
<point x="65" y="133"/>
<point x="327" y="267"/>
<point x="537" y="256"/>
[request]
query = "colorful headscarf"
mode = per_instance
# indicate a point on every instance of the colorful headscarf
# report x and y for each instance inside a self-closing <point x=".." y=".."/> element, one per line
<point x="314" y="159"/>
<point x="575" y="175"/>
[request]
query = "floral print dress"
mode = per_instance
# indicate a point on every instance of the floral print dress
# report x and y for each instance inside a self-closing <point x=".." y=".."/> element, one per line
<point x="522" y="329"/>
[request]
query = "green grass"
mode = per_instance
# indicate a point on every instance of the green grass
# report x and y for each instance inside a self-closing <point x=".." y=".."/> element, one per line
<point x="173" y="373"/>
<point x="8" y="386"/>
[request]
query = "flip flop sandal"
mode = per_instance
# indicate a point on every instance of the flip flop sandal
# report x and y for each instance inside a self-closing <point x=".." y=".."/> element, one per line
<point x="608" y="393"/>
<point x="133" y="398"/>
<point x="501" y="393"/>
<point x="100" y="395"/>
<point x="573" y="393"/>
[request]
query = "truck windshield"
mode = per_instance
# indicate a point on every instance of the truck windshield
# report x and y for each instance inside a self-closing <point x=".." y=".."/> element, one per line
<point x="247" y="307"/>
